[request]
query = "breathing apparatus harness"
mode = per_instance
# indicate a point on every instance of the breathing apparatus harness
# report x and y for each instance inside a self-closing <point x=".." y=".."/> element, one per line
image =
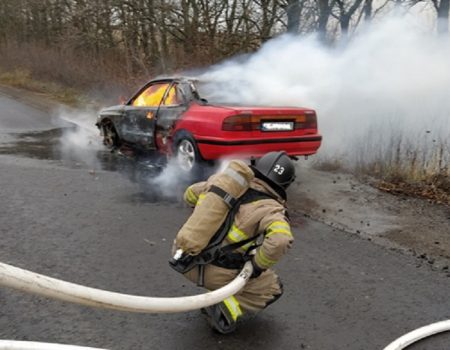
<point x="214" y="253"/>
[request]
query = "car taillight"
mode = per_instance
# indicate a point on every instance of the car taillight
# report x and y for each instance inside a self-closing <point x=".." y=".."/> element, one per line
<point x="248" y="122"/>
<point x="243" y="122"/>
<point x="306" y="121"/>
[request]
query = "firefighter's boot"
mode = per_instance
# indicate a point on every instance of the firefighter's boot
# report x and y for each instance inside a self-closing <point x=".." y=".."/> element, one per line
<point x="220" y="318"/>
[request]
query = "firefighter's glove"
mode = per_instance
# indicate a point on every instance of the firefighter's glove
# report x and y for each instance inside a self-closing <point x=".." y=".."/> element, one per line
<point x="257" y="271"/>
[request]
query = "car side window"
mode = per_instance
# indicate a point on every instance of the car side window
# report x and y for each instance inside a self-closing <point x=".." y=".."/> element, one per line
<point x="152" y="96"/>
<point x="174" y="96"/>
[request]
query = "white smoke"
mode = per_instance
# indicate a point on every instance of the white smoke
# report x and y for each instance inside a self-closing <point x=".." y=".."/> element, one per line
<point x="170" y="183"/>
<point x="390" y="81"/>
<point x="80" y="139"/>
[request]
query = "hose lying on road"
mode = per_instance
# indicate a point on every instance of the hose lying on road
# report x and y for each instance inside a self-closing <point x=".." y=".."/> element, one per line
<point x="29" y="345"/>
<point x="419" y="334"/>
<point x="399" y="344"/>
<point x="31" y="282"/>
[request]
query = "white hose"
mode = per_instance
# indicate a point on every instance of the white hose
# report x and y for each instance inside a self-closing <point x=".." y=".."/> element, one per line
<point x="31" y="282"/>
<point x="29" y="345"/>
<point x="419" y="334"/>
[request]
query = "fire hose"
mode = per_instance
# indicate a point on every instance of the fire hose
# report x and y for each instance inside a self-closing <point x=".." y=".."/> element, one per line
<point x="399" y="344"/>
<point x="419" y="334"/>
<point x="28" y="345"/>
<point x="31" y="282"/>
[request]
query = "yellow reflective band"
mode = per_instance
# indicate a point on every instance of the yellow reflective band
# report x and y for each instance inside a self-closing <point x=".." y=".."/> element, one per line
<point x="236" y="235"/>
<point x="233" y="307"/>
<point x="246" y="246"/>
<point x="279" y="227"/>
<point x="283" y="232"/>
<point x="262" y="260"/>
<point x="200" y="198"/>
<point x="190" y="196"/>
<point x="278" y="224"/>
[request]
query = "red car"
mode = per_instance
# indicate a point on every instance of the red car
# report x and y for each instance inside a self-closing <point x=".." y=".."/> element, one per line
<point x="171" y="117"/>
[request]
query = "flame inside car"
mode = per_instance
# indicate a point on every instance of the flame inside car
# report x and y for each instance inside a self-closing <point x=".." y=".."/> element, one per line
<point x="154" y="95"/>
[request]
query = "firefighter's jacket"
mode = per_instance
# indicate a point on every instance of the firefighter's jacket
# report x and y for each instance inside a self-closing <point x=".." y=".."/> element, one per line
<point x="264" y="218"/>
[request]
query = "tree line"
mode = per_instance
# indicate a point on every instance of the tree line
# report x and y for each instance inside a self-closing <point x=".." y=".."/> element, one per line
<point x="135" y="37"/>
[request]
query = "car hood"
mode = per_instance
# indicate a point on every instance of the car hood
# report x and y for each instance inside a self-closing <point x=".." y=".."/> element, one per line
<point x="112" y="108"/>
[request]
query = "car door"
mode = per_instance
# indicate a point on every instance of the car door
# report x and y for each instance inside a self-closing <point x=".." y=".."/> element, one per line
<point x="172" y="107"/>
<point x="139" y="121"/>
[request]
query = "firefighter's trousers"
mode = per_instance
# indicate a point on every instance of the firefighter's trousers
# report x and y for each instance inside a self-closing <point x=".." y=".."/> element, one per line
<point x="256" y="294"/>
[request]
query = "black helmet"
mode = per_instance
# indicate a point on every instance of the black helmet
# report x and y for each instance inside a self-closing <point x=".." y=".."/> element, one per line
<point x="276" y="167"/>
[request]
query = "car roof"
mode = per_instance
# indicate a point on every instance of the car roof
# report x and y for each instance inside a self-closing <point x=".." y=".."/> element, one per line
<point x="172" y="78"/>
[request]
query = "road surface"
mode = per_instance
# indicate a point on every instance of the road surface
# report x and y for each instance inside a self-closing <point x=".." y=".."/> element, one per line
<point x="86" y="217"/>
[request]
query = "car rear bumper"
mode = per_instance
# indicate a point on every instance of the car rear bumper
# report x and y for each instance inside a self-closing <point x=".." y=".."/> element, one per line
<point x="295" y="146"/>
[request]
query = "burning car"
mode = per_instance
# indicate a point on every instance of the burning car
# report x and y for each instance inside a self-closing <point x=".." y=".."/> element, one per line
<point x="172" y="117"/>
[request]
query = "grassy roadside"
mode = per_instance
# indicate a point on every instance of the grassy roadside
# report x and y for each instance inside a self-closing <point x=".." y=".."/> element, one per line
<point x="22" y="79"/>
<point x="411" y="168"/>
<point x="432" y="185"/>
<point x="435" y="188"/>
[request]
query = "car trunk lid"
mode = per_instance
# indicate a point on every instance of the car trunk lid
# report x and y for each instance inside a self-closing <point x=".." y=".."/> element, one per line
<point x="272" y="120"/>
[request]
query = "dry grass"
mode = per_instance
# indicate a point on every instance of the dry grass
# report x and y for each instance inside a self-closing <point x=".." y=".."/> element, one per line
<point x="17" y="77"/>
<point x="65" y="72"/>
<point x="22" y="78"/>
<point x="399" y="163"/>
<point x="436" y="188"/>
<point x="417" y="167"/>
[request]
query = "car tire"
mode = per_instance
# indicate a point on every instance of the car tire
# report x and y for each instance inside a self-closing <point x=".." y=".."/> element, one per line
<point x="187" y="155"/>
<point x="110" y="137"/>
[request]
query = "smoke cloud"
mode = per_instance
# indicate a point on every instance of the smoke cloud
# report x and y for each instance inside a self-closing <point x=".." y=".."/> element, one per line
<point x="390" y="82"/>
<point x="80" y="141"/>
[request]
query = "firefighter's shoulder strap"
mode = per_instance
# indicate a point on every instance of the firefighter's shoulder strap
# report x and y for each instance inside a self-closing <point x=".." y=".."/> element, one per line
<point x="229" y="200"/>
<point x="251" y="195"/>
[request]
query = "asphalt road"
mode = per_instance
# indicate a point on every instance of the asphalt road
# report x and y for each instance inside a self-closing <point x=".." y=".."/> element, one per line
<point x="96" y="225"/>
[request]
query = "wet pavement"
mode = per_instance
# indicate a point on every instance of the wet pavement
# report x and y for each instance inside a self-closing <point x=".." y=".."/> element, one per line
<point x="51" y="145"/>
<point x="78" y="212"/>
<point x="16" y="116"/>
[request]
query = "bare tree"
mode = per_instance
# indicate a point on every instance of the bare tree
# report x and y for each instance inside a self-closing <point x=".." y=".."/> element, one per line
<point x="293" y="11"/>
<point x="442" y="8"/>
<point x="346" y="10"/>
<point x="324" y="8"/>
<point x="368" y="10"/>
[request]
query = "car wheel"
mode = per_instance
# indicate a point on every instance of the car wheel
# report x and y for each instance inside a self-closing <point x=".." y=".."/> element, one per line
<point x="110" y="137"/>
<point x="187" y="155"/>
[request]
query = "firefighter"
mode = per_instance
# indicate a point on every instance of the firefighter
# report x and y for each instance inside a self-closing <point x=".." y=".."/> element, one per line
<point x="260" y="223"/>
